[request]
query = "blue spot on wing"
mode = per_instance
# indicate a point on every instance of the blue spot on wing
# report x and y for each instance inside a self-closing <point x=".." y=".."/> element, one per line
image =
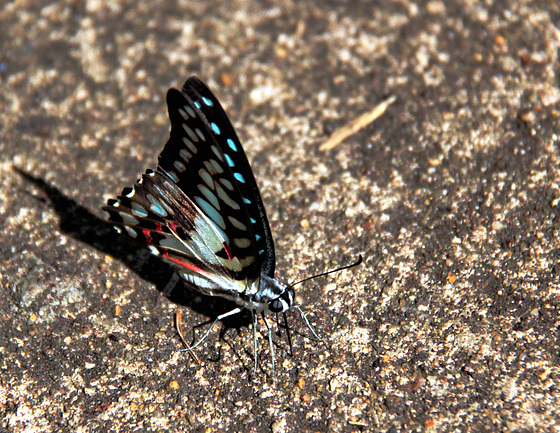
<point x="239" y="177"/>
<point x="231" y="145"/>
<point x="229" y="160"/>
<point x="139" y="211"/>
<point x="211" y="212"/>
<point x="158" y="209"/>
<point x="215" y="128"/>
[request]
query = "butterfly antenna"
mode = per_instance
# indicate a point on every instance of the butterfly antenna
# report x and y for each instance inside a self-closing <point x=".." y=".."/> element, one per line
<point x="330" y="272"/>
<point x="356" y="263"/>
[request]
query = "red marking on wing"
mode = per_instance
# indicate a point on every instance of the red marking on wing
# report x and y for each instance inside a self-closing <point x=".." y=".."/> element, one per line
<point x="158" y="227"/>
<point x="148" y="236"/>
<point x="228" y="251"/>
<point x="172" y="225"/>
<point x="184" y="264"/>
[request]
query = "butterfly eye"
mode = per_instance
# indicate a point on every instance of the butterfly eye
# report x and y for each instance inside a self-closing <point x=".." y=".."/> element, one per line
<point x="276" y="306"/>
<point x="283" y="302"/>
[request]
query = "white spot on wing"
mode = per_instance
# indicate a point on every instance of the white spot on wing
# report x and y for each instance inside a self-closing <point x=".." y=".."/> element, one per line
<point x="217" y="152"/>
<point x="179" y="166"/>
<point x="249" y="260"/>
<point x="139" y="210"/>
<point x="200" y="134"/>
<point x="156" y="207"/>
<point x="185" y="154"/>
<point x="237" y="224"/>
<point x="226" y="183"/>
<point x="242" y="242"/>
<point x="198" y="281"/>
<point x="217" y="166"/>
<point x="190" y="133"/>
<point x="190" y="145"/>
<point x="211" y="212"/>
<point x="213" y="167"/>
<point x="190" y="111"/>
<point x="128" y="219"/>
<point x="210" y="196"/>
<point x="226" y="198"/>
<point x="173" y="176"/>
<point x="131" y="232"/>
<point x="205" y="176"/>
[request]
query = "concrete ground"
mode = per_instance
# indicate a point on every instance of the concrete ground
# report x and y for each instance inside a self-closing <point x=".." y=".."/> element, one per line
<point x="452" y="196"/>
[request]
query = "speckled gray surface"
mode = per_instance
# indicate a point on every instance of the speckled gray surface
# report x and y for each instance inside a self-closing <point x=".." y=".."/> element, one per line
<point x="453" y="197"/>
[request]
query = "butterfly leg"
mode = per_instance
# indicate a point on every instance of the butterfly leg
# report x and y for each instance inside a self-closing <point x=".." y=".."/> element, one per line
<point x="307" y="323"/>
<point x="288" y="334"/>
<point x="220" y="317"/>
<point x="170" y="285"/>
<point x="270" y="343"/>
<point x="255" y="343"/>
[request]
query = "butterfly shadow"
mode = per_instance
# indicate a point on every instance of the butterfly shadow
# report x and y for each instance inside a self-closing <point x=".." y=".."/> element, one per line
<point x="80" y="224"/>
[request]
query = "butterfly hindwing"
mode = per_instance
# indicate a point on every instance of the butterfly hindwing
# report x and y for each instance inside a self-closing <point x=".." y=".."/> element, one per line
<point x="157" y="214"/>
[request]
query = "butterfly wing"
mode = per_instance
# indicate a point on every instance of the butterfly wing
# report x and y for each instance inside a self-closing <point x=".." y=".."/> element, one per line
<point x="202" y="133"/>
<point x="201" y="210"/>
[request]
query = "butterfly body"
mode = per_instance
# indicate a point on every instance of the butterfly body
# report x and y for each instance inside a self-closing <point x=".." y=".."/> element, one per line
<point x="201" y="210"/>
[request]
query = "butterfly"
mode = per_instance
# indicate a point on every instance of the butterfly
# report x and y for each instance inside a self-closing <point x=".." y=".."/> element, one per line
<point x="201" y="212"/>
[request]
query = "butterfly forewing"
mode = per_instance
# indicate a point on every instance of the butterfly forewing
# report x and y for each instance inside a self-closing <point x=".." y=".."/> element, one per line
<point x="201" y="210"/>
<point x="219" y="178"/>
<point x="241" y="170"/>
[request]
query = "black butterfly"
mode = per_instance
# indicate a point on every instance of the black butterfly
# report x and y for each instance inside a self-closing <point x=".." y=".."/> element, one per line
<point x="201" y="211"/>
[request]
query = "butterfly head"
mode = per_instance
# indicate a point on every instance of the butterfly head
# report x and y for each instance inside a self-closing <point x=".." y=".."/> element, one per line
<point x="273" y="296"/>
<point x="283" y="302"/>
